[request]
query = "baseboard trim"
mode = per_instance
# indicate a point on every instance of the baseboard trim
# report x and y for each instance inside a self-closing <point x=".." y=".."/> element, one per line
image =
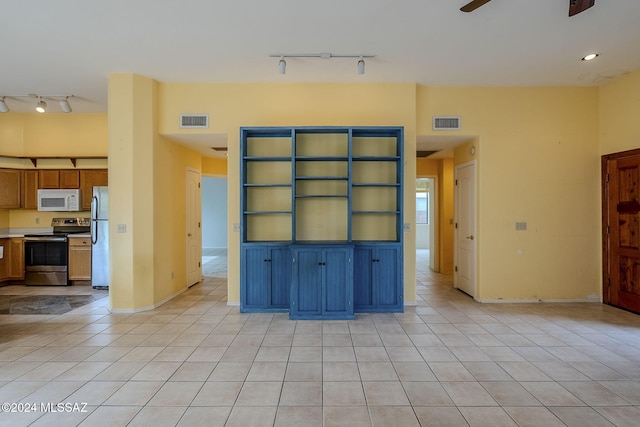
<point x="147" y="308"/>
<point x="533" y="301"/>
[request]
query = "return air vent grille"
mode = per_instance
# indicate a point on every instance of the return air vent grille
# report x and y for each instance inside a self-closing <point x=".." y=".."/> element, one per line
<point x="200" y="121"/>
<point x="425" y="153"/>
<point x="446" y="123"/>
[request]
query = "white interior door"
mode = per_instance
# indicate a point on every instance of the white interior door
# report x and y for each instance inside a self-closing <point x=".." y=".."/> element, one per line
<point x="194" y="229"/>
<point x="465" y="232"/>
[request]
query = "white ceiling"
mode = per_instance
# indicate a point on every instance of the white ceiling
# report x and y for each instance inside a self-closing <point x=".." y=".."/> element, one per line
<point x="71" y="46"/>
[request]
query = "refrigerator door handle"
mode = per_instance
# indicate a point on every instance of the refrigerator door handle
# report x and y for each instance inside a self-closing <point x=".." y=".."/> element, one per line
<point x="94" y="220"/>
<point x="94" y="211"/>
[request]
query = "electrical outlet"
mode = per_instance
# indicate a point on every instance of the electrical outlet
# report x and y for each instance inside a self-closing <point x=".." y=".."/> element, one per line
<point x="236" y="227"/>
<point x="122" y="228"/>
<point x="406" y="227"/>
<point x="37" y="220"/>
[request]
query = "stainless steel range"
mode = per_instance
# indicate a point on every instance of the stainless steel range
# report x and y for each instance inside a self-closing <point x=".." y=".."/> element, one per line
<point x="46" y="254"/>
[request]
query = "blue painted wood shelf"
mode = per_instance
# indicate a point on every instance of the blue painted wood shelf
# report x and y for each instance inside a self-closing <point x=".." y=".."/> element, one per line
<point x="321" y="220"/>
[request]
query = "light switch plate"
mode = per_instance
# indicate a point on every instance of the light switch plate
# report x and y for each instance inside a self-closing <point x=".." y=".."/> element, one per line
<point x="521" y="226"/>
<point x="122" y="228"/>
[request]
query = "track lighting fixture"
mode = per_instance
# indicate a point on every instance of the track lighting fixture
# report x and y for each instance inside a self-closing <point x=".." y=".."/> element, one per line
<point x="41" y="105"/>
<point x="282" y="64"/>
<point x="64" y="105"/>
<point x="361" y="65"/>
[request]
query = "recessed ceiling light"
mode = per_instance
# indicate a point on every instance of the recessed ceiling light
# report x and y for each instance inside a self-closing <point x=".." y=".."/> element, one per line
<point x="590" y="57"/>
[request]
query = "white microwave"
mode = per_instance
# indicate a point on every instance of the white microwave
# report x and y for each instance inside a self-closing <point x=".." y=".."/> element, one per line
<point x="59" y="200"/>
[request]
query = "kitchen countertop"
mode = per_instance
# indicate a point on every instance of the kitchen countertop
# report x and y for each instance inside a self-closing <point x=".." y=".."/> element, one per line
<point x="20" y="232"/>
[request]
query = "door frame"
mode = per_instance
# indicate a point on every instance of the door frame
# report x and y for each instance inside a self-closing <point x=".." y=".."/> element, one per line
<point x="198" y="218"/>
<point x="456" y="169"/>
<point x="606" y="244"/>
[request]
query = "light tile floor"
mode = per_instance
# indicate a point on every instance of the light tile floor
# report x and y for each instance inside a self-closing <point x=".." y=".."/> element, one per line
<point x="449" y="361"/>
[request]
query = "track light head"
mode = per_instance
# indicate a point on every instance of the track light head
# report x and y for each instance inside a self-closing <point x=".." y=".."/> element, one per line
<point x="64" y="105"/>
<point x="282" y="65"/>
<point x="41" y="106"/>
<point x="361" y="65"/>
<point x="4" y="108"/>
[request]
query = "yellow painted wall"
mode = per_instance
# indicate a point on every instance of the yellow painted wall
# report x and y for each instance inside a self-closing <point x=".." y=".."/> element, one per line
<point x="147" y="182"/>
<point x="77" y="134"/>
<point x="446" y="212"/>
<point x="620" y="114"/>
<point x="426" y="167"/>
<point x="231" y="106"/>
<point x="171" y="161"/>
<point x="214" y="166"/>
<point x="4" y="218"/>
<point x="539" y="164"/>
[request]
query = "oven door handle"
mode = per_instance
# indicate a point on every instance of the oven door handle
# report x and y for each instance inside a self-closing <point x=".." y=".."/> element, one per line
<point x="45" y="239"/>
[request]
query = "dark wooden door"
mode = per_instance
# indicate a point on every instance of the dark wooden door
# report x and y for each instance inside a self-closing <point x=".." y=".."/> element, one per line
<point x="621" y="216"/>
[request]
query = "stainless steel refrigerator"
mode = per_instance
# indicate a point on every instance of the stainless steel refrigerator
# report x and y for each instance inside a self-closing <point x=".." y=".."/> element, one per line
<point x="100" y="238"/>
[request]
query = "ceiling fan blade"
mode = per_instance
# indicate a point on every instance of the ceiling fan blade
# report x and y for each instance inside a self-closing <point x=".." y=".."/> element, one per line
<point x="577" y="6"/>
<point x="470" y="7"/>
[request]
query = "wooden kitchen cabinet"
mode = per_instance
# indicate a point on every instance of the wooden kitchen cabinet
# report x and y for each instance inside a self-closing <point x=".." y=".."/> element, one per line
<point x="58" y="178"/>
<point x="16" y="259"/>
<point x="30" y="189"/>
<point x="48" y="178"/>
<point x="69" y="178"/>
<point x="10" y="184"/>
<point x="79" y="258"/>
<point x="90" y="178"/>
<point x="4" y="261"/>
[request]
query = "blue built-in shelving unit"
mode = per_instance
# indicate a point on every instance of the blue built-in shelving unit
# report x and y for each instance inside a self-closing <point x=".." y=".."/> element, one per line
<point x="321" y="228"/>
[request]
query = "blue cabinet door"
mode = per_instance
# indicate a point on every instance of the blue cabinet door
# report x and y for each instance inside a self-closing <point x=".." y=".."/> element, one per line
<point x="254" y="280"/>
<point x="322" y="283"/>
<point x="387" y="279"/>
<point x="338" y="284"/>
<point x="306" y="298"/>
<point x="377" y="278"/>
<point x="266" y="278"/>
<point x="280" y="273"/>
<point x="363" y="298"/>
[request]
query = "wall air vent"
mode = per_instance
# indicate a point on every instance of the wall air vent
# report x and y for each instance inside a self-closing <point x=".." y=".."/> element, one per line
<point x="446" y="122"/>
<point x="199" y="121"/>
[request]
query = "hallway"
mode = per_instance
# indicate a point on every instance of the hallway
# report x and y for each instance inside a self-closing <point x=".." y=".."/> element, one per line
<point x="446" y="361"/>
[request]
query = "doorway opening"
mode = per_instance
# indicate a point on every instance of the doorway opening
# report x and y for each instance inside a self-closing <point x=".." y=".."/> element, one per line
<point x="214" y="226"/>
<point x="426" y="229"/>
